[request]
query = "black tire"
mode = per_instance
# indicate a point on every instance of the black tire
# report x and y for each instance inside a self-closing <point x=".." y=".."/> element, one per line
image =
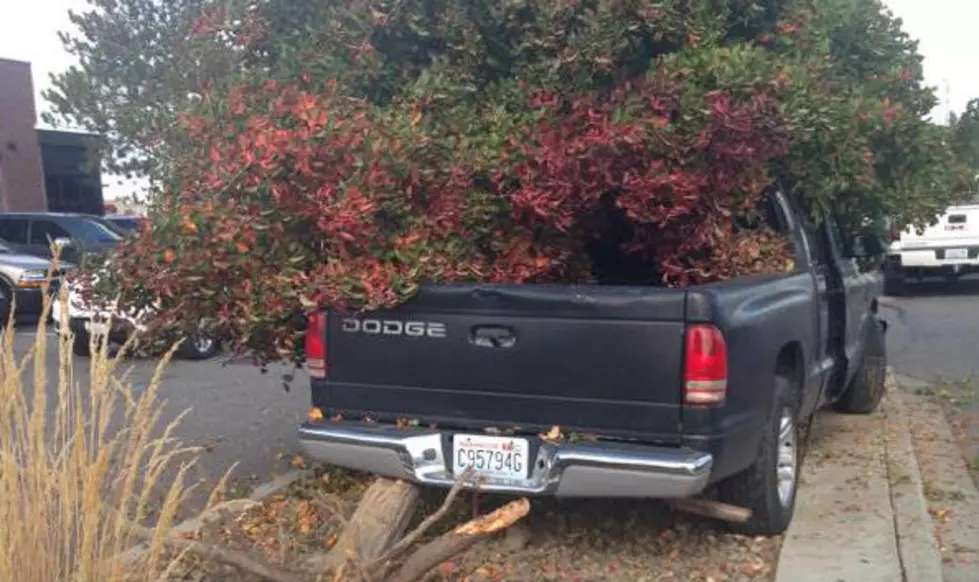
<point x="6" y="305"/>
<point x="757" y="488"/>
<point x="894" y="287"/>
<point x="866" y="389"/>
<point x="195" y="347"/>
<point x="80" y="345"/>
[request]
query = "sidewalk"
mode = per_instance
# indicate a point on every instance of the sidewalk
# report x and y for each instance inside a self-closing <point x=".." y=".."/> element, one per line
<point x="861" y="514"/>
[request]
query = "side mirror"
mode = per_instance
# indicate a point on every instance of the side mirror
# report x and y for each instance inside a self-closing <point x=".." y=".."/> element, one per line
<point x="867" y="246"/>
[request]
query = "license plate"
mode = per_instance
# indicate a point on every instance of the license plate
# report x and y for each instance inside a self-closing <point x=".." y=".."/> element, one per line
<point x="490" y="456"/>
<point x="957" y="254"/>
<point x="96" y="328"/>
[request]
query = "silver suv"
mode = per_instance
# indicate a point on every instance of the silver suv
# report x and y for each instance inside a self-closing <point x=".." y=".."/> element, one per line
<point x="22" y="278"/>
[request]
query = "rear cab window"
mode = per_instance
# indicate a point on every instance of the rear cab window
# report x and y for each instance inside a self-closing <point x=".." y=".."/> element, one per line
<point x="778" y="216"/>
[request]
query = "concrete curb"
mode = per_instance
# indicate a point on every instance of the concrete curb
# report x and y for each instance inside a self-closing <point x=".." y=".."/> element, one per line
<point x="214" y="513"/>
<point x="918" y="549"/>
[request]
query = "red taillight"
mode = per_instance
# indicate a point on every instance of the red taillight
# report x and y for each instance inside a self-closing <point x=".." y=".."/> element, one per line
<point x="895" y="234"/>
<point x="316" y="345"/>
<point x="705" y="370"/>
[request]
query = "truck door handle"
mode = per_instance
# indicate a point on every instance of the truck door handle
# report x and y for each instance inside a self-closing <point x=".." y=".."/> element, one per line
<point x="493" y="336"/>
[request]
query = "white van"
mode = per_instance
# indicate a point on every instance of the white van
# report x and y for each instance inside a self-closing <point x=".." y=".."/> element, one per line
<point x="949" y="248"/>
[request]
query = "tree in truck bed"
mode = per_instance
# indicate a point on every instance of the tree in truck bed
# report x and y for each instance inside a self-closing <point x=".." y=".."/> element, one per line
<point x="366" y="148"/>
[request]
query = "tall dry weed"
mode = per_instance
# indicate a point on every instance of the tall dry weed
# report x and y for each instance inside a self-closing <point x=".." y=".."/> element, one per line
<point x="83" y="456"/>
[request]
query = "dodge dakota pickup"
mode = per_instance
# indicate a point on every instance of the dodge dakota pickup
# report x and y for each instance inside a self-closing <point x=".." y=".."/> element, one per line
<point x="608" y="390"/>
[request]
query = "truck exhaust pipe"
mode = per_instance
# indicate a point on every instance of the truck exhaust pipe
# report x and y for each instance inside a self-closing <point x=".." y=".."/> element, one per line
<point x="712" y="509"/>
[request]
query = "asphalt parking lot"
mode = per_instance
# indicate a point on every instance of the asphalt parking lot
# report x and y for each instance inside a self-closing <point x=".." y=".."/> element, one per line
<point x="238" y="414"/>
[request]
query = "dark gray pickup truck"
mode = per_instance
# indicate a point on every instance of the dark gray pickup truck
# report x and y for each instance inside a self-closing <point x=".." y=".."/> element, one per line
<point x="656" y="392"/>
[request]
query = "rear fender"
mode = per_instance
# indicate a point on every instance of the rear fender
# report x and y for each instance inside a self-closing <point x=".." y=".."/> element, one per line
<point x="759" y="316"/>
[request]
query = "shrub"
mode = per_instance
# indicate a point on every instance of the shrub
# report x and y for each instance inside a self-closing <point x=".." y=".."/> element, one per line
<point x="370" y="147"/>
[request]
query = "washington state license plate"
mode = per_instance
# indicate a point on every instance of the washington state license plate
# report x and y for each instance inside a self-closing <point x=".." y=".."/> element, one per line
<point x="490" y="456"/>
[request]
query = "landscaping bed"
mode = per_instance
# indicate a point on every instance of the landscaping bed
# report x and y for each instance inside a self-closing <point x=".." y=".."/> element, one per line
<point x="558" y="540"/>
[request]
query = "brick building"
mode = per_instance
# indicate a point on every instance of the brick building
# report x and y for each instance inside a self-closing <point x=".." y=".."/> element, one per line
<point x="42" y="170"/>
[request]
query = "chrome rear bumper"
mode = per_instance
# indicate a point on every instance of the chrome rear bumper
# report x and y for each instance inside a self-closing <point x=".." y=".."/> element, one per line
<point x="594" y="469"/>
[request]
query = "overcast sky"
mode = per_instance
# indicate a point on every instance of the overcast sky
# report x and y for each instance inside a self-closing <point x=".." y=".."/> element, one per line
<point x="946" y="29"/>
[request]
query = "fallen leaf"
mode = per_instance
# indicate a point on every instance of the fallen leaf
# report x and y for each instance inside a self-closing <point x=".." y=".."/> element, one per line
<point x="447" y="568"/>
<point x="298" y="462"/>
<point x="553" y="435"/>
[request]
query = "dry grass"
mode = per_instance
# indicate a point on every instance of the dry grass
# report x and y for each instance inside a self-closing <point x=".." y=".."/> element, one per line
<point x="82" y="455"/>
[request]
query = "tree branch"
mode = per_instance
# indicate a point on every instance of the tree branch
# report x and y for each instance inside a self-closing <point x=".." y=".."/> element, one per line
<point x="460" y="539"/>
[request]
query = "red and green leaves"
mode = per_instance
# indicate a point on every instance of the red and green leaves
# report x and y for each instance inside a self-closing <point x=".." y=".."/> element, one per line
<point x="371" y="150"/>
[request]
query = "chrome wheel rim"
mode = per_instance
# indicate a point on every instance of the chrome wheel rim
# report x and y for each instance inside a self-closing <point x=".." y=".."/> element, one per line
<point x="202" y="344"/>
<point x="786" y="467"/>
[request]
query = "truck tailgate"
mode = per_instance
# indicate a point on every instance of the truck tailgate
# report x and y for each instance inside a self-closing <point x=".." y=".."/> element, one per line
<point x="601" y="360"/>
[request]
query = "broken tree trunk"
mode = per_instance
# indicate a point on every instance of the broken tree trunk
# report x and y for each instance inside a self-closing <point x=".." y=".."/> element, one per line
<point x="381" y="518"/>
<point x="459" y="540"/>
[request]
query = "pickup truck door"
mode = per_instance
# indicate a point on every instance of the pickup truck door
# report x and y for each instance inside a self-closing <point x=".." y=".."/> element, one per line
<point x="829" y="313"/>
<point x="858" y="290"/>
<point x="823" y="356"/>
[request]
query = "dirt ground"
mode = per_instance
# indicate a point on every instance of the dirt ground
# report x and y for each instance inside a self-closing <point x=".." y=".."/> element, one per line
<point x="560" y="540"/>
<point x="959" y="400"/>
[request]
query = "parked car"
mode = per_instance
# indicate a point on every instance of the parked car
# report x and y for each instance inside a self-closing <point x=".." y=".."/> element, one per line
<point x="79" y="234"/>
<point x="118" y="324"/>
<point x="22" y="279"/>
<point x="125" y="223"/>
<point x="949" y="248"/>
<point x="607" y="391"/>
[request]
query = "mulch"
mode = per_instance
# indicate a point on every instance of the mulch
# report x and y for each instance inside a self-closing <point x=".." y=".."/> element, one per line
<point x="586" y="540"/>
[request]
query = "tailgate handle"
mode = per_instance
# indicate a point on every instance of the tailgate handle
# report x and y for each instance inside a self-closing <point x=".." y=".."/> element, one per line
<point x="493" y="336"/>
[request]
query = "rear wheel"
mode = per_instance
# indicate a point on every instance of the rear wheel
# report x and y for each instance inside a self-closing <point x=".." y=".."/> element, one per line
<point x="198" y="346"/>
<point x="866" y="389"/>
<point x="768" y="488"/>
<point x="894" y="280"/>
<point x="6" y="305"/>
<point x="894" y="286"/>
<point x="81" y="344"/>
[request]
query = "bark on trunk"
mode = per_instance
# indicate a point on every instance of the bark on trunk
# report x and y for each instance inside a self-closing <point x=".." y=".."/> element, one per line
<point x="378" y="523"/>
